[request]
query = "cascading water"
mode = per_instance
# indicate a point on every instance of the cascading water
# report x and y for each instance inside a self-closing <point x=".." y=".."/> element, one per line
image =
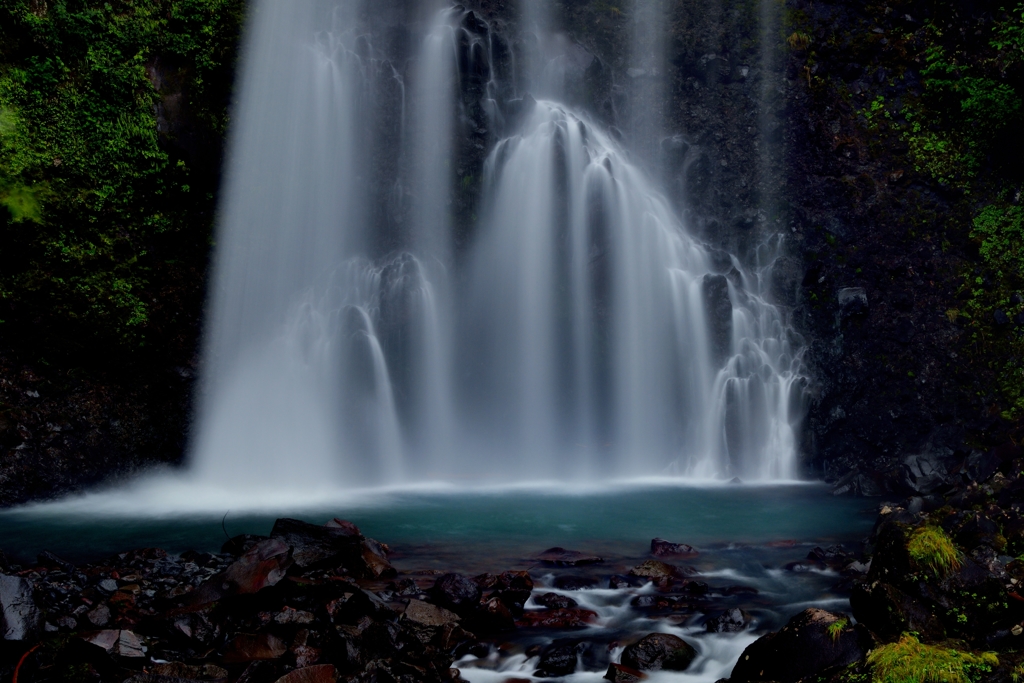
<point x="573" y="330"/>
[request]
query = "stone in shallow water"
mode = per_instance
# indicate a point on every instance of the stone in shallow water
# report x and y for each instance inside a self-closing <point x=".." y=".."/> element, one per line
<point x="659" y="651"/>
<point x="575" y="583"/>
<point x="559" y="659"/>
<point x="731" y="621"/>
<point x="662" y="548"/>
<point x="560" y="557"/>
<point x="654" y="569"/>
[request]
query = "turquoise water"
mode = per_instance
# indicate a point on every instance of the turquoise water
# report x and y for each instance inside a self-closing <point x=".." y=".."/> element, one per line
<point x="496" y="526"/>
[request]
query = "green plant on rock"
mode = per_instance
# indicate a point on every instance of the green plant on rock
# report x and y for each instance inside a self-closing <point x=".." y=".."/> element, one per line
<point x="932" y="550"/>
<point x="835" y="629"/>
<point x="910" y="661"/>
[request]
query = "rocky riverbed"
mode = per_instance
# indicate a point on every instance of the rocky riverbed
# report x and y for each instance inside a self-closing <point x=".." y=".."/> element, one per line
<point x="312" y="603"/>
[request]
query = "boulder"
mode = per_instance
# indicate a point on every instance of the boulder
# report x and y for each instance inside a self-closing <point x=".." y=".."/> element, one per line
<point x="659" y="651"/>
<point x="427" y="615"/>
<point x="559" y="659"/>
<point x="662" y="548"/>
<point x="494" y="616"/>
<point x="456" y="592"/>
<point x="654" y="569"/>
<point x="560" y="557"/>
<point x="730" y="621"/>
<point x="263" y="565"/>
<point x="888" y="611"/>
<point x="812" y="643"/>
<point x="21" y="619"/>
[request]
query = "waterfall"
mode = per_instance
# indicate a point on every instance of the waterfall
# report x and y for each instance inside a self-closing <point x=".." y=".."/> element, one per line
<point x="367" y="328"/>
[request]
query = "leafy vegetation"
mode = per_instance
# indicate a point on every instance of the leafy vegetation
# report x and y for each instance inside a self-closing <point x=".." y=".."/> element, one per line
<point x="835" y="629"/>
<point x="910" y="661"/>
<point x="111" y="116"/>
<point x="932" y="550"/>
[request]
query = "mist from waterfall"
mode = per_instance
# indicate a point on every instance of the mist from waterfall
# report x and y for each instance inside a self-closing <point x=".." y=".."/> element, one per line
<point x="363" y="332"/>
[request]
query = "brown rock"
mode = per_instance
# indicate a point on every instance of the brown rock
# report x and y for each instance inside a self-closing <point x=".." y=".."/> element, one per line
<point x="263" y="565"/>
<point x="654" y="569"/>
<point x="247" y="647"/>
<point x="425" y="614"/>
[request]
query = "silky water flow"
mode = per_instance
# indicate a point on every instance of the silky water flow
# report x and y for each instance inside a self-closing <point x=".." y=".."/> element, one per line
<point x="575" y="331"/>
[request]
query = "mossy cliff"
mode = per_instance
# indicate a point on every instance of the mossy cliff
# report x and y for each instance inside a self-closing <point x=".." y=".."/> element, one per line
<point x="112" y="117"/>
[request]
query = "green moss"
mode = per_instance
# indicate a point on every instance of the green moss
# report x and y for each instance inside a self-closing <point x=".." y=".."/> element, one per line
<point x="910" y="661"/>
<point x="932" y="550"/>
<point x="99" y="194"/>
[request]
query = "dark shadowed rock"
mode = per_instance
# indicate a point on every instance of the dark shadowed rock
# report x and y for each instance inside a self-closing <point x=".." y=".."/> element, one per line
<point x="731" y="621"/>
<point x="493" y="616"/>
<point x="425" y="614"/>
<point x="812" y="643"/>
<point x="662" y="548"/>
<point x="659" y="651"/>
<point x="238" y="545"/>
<point x="889" y="611"/>
<point x="560" y="557"/>
<point x="456" y="592"/>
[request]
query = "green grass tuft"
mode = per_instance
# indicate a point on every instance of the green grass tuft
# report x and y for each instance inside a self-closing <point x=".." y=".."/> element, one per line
<point x="910" y="661"/>
<point x="931" y="549"/>
<point x="835" y="629"/>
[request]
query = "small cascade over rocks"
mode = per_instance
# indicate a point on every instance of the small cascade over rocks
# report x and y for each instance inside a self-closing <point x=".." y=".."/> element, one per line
<point x="364" y="332"/>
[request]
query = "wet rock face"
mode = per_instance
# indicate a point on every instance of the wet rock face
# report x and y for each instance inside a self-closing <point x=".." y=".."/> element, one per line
<point x="812" y="643"/>
<point x="20" y="618"/>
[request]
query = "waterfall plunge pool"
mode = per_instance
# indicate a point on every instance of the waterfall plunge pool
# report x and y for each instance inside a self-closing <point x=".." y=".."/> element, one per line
<point x="746" y="536"/>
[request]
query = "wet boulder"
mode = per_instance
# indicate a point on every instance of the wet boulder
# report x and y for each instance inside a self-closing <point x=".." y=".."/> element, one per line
<point x="812" y="643"/>
<point x="655" y="569"/>
<point x="456" y="592"/>
<point x="247" y="647"/>
<point x="889" y="611"/>
<point x="336" y="543"/>
<point x="662" y="548"/>
<point x="559" y="659"/>
<point x="659" y="651"/>
<point x="320" y="673"/>
<point x="730" y="621"/>
<point x="116" y="642"/>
